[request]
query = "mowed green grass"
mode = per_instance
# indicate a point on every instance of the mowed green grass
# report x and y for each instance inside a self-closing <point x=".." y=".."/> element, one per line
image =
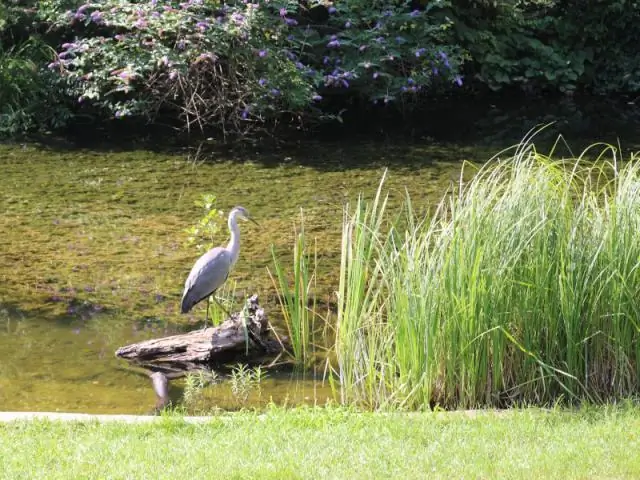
<point x="332" y="443"/>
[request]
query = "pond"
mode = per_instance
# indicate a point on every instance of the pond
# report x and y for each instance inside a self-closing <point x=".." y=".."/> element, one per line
<point x="94" y="251"/>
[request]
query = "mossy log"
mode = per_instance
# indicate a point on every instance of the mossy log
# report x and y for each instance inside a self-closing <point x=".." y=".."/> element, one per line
<point x="244" y="335"/>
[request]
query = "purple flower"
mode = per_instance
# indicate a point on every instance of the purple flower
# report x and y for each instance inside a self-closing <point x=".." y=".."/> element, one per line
<point x="291" y="37"/>
<point x="444" y="58"/>
<point x="375" y="75"/>
<point x="245" y="113"/>
<point x="334" y="43"/>
<point x="331" y="9"/>
<point x="415" y="13"/>
<point x="299" y="65"/>
<point x="400" y="39"/>
<point x="275" y="92"/>
<point x="410" y="81"/>
<point x="262" y="82"/>
<point x="316" y="98"/>
<point x="347" y="24"/>
<point x="96" y="16"/>
<point x="458" y="80"/>
<point x="387" y="13"/>
<point x="173" y="75"/>
<point x="362" y="48"/>
<point x="262" y="53"/>
<point x="283" y="12"/>
<point x="420" y="51"/>
<point x="380" y="40"/>
<point x="206" y="56"/>
<point x="202" y="25"/>
<point x="291" y="22"/>
<point x="325" y="60"/>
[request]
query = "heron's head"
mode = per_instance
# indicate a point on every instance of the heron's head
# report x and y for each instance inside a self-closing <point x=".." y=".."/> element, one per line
<point x="241" y="212"/>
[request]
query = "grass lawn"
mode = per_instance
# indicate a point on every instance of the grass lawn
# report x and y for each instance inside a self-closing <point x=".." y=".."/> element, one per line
<point x="333" y="443"/>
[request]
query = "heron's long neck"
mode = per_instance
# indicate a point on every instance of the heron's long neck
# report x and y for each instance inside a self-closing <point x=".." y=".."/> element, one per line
<point x="234" y="243"/>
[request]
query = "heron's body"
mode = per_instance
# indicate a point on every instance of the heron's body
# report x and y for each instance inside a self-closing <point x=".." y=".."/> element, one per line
<point x="212" y="269"/>
<point x="208" y="274"/>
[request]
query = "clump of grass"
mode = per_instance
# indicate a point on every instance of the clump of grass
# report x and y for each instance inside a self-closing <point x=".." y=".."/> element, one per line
<point x="244" y="380"/>
<point x="194" y="384"/>
<point x="522" y="287"/>
<point x="297" y="302"/>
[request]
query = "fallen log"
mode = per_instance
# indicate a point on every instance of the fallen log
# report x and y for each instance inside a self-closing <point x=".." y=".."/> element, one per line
<point x="244" y="334"/>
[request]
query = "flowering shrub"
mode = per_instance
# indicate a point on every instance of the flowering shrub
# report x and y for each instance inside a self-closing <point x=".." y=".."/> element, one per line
<point x="383" y="50"/>
<point x="237" y="64"/>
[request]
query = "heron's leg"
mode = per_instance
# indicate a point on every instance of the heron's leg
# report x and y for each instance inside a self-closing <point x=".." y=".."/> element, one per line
<point x="206" y="315"/>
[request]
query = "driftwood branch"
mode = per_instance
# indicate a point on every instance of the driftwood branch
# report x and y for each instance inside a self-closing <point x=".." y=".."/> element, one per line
<point x="244" y="333"/>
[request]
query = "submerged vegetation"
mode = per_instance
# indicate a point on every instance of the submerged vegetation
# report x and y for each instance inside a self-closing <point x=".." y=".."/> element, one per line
<point x="522" y="286"/>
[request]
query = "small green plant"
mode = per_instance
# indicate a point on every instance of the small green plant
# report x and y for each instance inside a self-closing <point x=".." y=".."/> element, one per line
<point x="203" y="233"/>
<point x="244" y="380"/>
<point x="297" y="301"/>
<point x="195" y="382"/>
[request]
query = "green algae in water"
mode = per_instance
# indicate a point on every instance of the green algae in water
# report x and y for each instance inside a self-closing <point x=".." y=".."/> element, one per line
<point x="95" y="253"/>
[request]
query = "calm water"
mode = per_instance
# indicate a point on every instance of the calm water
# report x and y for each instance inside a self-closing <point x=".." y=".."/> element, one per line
<point x="93" y="252"/>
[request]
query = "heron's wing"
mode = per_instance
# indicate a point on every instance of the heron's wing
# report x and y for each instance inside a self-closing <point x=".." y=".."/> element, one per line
<point x="208" y="273"/>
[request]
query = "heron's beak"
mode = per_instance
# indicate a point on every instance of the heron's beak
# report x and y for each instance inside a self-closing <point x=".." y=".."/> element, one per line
<point x="253" y="221"/>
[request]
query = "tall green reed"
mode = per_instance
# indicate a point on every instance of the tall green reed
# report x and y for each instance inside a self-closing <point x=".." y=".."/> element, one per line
<point x="297" y="301"/>
<point x="522" y="286"/>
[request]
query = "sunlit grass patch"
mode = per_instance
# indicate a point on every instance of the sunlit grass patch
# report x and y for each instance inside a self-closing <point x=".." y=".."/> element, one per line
<point x="333" y="443"/>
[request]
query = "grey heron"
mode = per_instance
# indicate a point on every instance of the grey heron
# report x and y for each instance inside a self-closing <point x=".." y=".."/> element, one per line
<point x="212" y="269"/>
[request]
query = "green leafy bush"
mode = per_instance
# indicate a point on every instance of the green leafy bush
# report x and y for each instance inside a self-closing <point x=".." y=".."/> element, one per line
<point x="28" y="96"/>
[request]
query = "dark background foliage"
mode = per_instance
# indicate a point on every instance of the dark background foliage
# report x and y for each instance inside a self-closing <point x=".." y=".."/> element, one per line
<point x="229" y="68"/>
